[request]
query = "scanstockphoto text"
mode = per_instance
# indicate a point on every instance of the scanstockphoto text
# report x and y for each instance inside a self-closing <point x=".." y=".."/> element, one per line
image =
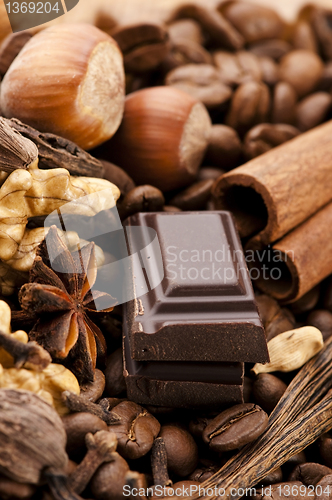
<point x="223" y="264"/>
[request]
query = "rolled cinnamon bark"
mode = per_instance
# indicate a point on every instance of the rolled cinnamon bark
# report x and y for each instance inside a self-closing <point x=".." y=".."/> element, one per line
<point x="296" y="263"/>
<point x="272" y="194"/>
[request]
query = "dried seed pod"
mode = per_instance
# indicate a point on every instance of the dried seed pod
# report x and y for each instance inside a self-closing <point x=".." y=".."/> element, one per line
<point x="290" y="350"/>
<point x="32" y="437"/>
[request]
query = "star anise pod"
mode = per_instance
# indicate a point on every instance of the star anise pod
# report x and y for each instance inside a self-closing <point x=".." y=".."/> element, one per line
<point x="60" y="298"/>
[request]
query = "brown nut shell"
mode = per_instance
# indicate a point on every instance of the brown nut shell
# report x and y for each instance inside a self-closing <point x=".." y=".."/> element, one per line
<point x="67" y="80"/>
<point x="162" y="138"/>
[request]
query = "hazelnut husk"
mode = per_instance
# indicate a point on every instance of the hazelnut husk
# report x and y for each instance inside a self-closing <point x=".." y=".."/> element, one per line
<point x="67" y="80"/>
<point x="162" y="138"/>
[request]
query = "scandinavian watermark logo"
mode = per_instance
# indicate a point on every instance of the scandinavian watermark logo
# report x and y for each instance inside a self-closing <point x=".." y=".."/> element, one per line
<point x="25" y="15"/>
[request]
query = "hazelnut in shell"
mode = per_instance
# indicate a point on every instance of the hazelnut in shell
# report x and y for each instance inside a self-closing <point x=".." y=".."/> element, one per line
<point x="67" y="80"/>
<point x="162" y="138"/>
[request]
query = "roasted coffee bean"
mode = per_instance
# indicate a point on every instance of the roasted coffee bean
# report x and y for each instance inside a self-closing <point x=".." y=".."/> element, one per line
<point x="184" y="52"/>
<point x="136" y="431"/>
<point x="297" y="459"/>
<point x="235" y="427"/>
<point x="77" y="426"/>
<point x="144" y="46"/>
<point x="291" y="490"/>
<point x="267" y="390"/>
<point x="322" y="25"/>
<point x="274" y="477"/>
<point x="268" y="307"/>
<point x="115" y="382"/>
<point x="197" y="426"/>
<point x="324" y="488"/>
<point x="202" y="474"/>
<point x="224" y="148"/>
<point x="302" y="69"/>
<point x="195" y="197"/>
<point x="321" y="319"/>
<point x="266" y="136"/>
<point x="250" y="106"/>
<point x="312" y="110"/>
<point x="284" y="104"/>
<point x="185" y="29"/>
<point x="202" y="82"/>
<point x="118" y="176"/>
<point x="182" y="451"/>
<point x="141" y="199"/>
<point x="307" y="302"/>
<point x="270" y="71"/>
<point x="303" y="37"/>
<point x="283" y="321"/>
<point x="10" y="48"/>
<point x="309" y="473"/>
<point x="238" y="68"/>
<point x="169" y="208"/>
<point x="325" y="82"/>
<point x="325" y="449"/>
<point x="109" y="480"/>
<point x="275" y="48"/>
<point x="94" y="390"/>
<point x="220" y="31"/>
<point x="254" y="22"/>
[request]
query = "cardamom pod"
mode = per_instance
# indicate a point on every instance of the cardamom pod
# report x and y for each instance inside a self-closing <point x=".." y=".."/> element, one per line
<point x="292" y="349"/>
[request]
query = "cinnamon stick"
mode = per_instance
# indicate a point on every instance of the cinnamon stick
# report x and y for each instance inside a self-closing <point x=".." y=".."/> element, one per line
<point x="297" y="262"/>
<point x="272" y="194"/>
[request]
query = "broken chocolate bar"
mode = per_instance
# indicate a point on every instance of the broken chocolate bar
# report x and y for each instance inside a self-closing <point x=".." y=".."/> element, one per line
<point x="200" y="323"/>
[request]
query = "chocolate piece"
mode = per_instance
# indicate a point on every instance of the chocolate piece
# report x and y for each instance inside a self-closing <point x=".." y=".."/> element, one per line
<point x="204" y="309"/>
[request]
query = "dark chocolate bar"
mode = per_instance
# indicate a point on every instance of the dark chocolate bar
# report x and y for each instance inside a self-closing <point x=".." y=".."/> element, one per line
<point x="204" y="309"/>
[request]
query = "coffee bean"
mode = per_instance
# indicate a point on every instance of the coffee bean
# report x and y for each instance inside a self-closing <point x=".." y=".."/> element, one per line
<point x="11" y="46"/>
<point x="194" y="197"/>
<point x="274" y="477"/>
<point x="118" y="176"/>
<point x="302" y="69"/>
<point x="238" y="68"/>
<point x="235" y="427"/>
<point x="197" y="426"/>
<point x="202" y="82"/>
<point x="267" y="390"/>
<point x="270" y="71"/>
<point x="309" y="473"/>
<point x="94" y="390"/>
<point x="184" y="52"/>
<point x="325" y="449"/>
<point x="321" y="319"/>
<point x="268" y="307"/>
<point x="136" y="431"/>
<point x="202" y="474"/>
<point x="297" y="459"/>
<point x="115" y="382"/>
<point x="282" y="322"/>
<point x="77" y="425"/>
<point x="275" y="49"/>
<point x="250" y="106"/>
<point x="144" y="46"/>
<point x="141" y="199"/>
<point x="266" y="136"/>
<point x="307" y="302"/>
<point x="324" y="488"/>
<point x="325" y="82"/>
<point x="284" y="104"/>
<point x="109" y="480"/>
<point x="321" y="22"/>
<point x="312" y="110"/>
<point x="182" y="451"/>
<point x="224" y="148"/>
<point x="303" y="37"/>
<point x="185" y="29"/>
<point x="254" y="22"/>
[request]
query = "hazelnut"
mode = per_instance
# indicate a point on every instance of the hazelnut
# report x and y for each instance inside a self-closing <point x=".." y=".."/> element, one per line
<point x="162" y="138"/>
<point x="67" y="80"/>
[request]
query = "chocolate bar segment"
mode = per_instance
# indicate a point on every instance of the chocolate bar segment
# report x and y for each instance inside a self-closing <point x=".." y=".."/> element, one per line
<point x="204" y="309"/>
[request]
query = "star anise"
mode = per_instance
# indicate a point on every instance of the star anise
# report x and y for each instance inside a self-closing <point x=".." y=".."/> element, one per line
<point x="60" y="298"/>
